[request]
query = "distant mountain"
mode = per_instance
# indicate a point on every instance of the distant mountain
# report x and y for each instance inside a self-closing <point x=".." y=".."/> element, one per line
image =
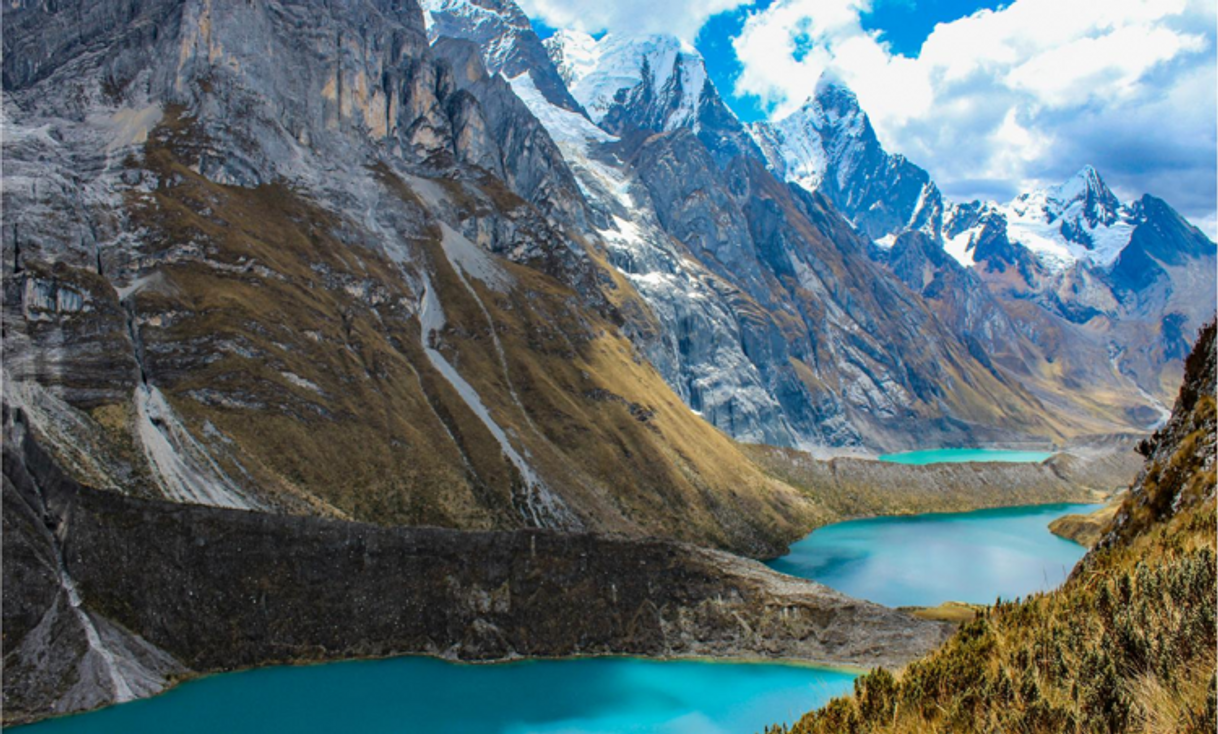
<point x="774" y="323"/>
<point x="829" y="145"/>
<point x="1079" y="220"/>
<point x="1014" y="316"/>
<point x="1119" y="271"/>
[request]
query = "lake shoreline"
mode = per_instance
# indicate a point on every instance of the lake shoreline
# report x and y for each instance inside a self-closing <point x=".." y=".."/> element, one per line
<point x="857" y="488"/>
<point x="195" y="677"/>
<point x="174" y="590"/>
<point x="929" y="457"/>
<point x="133" y="602"/>
<point x="873" y="558"/>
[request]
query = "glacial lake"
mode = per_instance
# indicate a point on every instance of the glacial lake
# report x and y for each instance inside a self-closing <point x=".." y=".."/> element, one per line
<point x="414" y="694"/>
<point x="955" y="456"/>
<point x="925" y="560"/>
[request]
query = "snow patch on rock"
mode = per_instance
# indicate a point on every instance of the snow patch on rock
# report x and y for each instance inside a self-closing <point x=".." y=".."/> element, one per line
<point x="541" y="507"/>
<point x="596" y="71"/>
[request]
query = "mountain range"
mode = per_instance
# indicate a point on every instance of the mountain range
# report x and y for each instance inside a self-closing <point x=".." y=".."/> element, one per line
<point x="1085" y="304"/>
<point x="416" y="265"/>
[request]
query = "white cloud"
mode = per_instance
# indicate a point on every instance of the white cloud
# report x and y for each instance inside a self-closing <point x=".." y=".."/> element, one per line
<point x="1018" y="95"/>
<point x="1112" y="64"/>
<point x="681" y="18"/>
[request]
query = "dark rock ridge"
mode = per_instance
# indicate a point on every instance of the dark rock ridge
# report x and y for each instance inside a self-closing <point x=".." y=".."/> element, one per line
<point x="170" y="590"/>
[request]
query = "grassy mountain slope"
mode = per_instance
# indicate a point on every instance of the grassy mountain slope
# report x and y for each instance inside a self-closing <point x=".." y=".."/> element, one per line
<point x="300" y="358"/>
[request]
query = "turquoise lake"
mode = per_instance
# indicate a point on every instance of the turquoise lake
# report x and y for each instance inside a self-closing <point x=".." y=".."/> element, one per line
<point x="940" y="456"/>
<point x="925" y="560"/>
<point x="427" y="696"/>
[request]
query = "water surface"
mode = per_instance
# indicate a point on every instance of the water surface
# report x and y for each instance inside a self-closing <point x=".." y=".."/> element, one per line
<point x="414" y="694"/>
<point x="941" y="456"/>
<point x="925" y="560"/>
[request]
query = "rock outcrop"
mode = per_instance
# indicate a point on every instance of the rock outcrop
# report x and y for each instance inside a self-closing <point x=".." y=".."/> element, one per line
<point x="1181" y="458"/>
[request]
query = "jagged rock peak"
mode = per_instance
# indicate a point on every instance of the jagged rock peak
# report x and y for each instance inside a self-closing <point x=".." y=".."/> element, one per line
<point x="829" y="144"/>
<point x="508" y="42"/>
<point x="649" y="82"/>
<point x="832" y="104"/>
<point x="832" y="92"/>
<point x="1077" y="219"/>
<point x="1095" y="202"/>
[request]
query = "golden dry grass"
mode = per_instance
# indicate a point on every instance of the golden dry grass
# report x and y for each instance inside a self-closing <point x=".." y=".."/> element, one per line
<point x="304" y="350"/>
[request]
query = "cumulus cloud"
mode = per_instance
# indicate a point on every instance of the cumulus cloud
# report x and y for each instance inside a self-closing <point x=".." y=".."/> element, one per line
<point x="1004" y="100"/>
<point x="681" y="18"/>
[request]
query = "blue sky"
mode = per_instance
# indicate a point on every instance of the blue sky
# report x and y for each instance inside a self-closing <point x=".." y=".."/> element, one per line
<point x="903" y="24"/>
<point x="991" y="98"/>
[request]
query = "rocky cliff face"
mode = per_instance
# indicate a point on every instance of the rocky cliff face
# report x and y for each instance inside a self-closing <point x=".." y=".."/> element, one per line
<point x="109" y="598"/>
<point x="292" y="257"/>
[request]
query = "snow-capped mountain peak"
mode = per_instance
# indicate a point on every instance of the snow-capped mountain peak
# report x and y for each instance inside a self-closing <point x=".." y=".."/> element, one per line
<point x="834" y="97"/>
<point x="1077" y="219"/>
<point x="506" y="38"/>
<point x="1083" y="196"/>
<point x="648" y="82"/>
<point x="828" y="144"/>
<point x="574" y="53"/>
<point x="830" y="129"/>
<point x="662" y="71"/>
<point x="478" y="11"/>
